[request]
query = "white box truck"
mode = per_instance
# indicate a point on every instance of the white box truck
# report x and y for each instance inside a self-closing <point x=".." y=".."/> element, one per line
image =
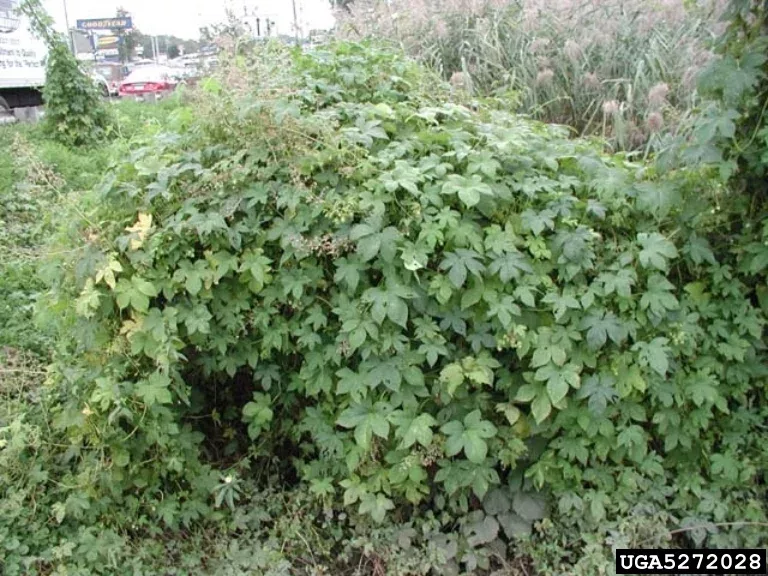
<point x="22" y="69"/>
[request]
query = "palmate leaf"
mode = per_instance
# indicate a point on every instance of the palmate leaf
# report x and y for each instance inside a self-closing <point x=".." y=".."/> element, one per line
<point x="656" y="250"/>
<point x="469" y="190"/>
<point x="384" y="372"/>
<point x="371" y="307"/>
<point x="367" y="420"/>
<point x="536" y="222"/>
<point x="600" y="392"/>
<point x="731" y="77"/>
<point x="89" y="299"/>
<point x="389" y="303"/>
<point x="602" y="325"/>
<point x="699" y="250"/>
<point x="658" y="297"/>
<point x="510" y="266"/>
<point x="256" y="268"/>
<point x="198" y="320"/>
<point x="371" y="242"/>
<point x="654" y="354"/>
<point x="452" y="376"/>
<point x="558" y="380"/>
<point x="470" y="436"/>
<point x="155" y="389"/>
<point x="619" y="282"/>
<point x="135" y="293"/>
<point x="193" y="275"/>
<point x="376" y="506"/>
<point x="413" y="429"/>
<point x="348" y="272"/>
<point x="460" y="263"/>
<point x="257" y="414"/>
<point x="657" y="198"/>
<point x="561" y="303"/>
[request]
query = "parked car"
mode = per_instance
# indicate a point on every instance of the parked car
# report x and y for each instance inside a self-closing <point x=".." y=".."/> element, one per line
<point x="114" y="74"/>
<point x="101" y="83"/>
<point x="148" y="81"/>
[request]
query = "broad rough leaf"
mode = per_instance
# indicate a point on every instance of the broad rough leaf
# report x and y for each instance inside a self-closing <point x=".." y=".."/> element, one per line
<point x="155" y="389"/>
<point x="496" y="502"/>
<point x="602" y="325"/>
<point x="483" y="532"/>
<point x="656" y="251"/>
<point x="419" y="429"/>
<point x="530" y="506"/>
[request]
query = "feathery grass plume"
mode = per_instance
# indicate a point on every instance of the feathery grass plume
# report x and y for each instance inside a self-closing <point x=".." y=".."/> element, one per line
<point x="573" y="51"/>
<point x="635" y="136"/>
<point x="441" y="28"/>
<point x="611" y="107"/>
<point x="591" y="80"/>
<point x="544" y="77"/>
<point x="657" y="95"/>
<point x="690" y="78"/>
<point x="538" y="45"/>
<point x="459" y="81"/>
<point x="655" y="122"/>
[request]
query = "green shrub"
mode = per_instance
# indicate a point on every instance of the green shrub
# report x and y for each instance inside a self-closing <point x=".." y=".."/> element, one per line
<point x="75" y="114"/>
<point x="457" y="323"/>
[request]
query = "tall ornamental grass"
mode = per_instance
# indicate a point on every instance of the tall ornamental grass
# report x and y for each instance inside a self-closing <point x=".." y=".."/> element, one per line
<point x="622" y="69"/>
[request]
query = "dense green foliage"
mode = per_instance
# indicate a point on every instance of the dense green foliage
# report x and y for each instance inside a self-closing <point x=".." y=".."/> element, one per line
<point x="408" y="308"/>
<point x="325" y="320"/>
<point x="74" y="111"/>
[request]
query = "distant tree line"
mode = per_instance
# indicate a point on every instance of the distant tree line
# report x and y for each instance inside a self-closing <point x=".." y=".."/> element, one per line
<point x="170" y="45"/>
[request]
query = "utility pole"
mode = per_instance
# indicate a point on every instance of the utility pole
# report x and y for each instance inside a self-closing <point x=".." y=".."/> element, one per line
<point x="295" y="23"/>
<point x="69" y="31"/>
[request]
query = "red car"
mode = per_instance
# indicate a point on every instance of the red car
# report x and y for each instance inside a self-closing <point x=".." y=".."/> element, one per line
<point x="153" y="81"/>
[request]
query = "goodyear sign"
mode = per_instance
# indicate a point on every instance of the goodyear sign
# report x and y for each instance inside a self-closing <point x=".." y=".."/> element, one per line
<point x="106" y="24"/>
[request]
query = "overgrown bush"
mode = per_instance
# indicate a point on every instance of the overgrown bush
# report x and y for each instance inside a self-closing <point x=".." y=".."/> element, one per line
<point x="75" y="113"/>
<point x="625" y="70"/>
<point x="331" y="277"/>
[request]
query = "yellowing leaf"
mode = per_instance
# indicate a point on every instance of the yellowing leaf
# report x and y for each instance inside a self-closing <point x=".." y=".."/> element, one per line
<point x="107" y="274"/>
<point x="141" y="229"/>
<point x="511" y="412"/>
<point x="130" y="327"/>
<point x="453" y="377"/>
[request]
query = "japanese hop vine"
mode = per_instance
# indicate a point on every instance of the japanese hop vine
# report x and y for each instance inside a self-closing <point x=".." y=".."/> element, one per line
<point x="408" y="303"/>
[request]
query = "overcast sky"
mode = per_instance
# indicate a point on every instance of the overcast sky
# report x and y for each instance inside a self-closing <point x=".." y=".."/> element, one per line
<point x="184" y="18"/>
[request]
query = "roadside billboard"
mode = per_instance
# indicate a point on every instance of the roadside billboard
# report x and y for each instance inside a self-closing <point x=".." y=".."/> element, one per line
<point x="125" y="23"/>
<point x="21" y="54"/>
